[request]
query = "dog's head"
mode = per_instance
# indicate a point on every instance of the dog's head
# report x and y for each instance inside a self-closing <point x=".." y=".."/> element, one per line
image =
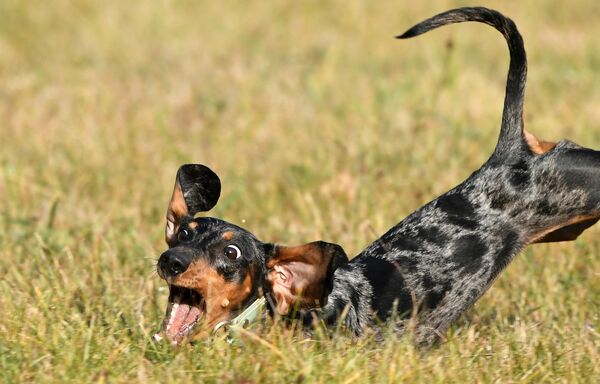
<point x="215" y="269"/>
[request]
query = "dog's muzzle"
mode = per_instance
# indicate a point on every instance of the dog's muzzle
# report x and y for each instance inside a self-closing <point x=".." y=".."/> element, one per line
<point x="173" y="262"/>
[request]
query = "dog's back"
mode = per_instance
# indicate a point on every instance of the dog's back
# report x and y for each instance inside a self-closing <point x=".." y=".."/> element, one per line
<point x="443" y="257"/>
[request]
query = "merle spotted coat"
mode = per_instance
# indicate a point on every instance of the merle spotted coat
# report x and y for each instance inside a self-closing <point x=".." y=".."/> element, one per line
<point x="446" y="254"/>
<point x="439" y="260"/>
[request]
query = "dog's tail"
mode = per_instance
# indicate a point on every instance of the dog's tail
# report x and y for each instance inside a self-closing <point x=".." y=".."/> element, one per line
<point x="511" y="133"/>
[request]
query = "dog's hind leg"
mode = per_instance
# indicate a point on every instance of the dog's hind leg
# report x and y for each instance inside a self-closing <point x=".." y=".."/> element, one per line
<point x="565" y="194"/>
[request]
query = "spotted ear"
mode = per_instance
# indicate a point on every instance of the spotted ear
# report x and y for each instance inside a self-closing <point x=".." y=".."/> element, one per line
<point x="302" y="277"/>
<point x="197" y="189"/>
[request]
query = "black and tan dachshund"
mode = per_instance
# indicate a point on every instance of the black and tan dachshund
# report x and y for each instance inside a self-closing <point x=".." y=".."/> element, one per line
<point x="433" y="265"/>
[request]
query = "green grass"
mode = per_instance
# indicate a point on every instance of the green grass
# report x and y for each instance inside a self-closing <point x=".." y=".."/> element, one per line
<point x="321" y="126"/>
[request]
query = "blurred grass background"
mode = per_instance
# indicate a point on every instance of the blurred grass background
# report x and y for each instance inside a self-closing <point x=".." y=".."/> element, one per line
<point x="321" y="126"/>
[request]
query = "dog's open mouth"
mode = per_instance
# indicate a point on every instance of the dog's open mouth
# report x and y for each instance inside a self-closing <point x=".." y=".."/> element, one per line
<point x="184" y="312"/>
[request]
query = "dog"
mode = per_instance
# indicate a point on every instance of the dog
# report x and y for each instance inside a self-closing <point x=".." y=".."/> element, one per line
<point x="432" y="266"/>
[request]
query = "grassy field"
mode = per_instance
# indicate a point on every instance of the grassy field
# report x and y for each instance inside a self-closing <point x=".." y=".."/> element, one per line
<point x="321" y="126"/>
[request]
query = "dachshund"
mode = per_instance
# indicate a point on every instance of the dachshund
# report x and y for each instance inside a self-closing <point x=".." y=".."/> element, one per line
<point x="432" y="266"/>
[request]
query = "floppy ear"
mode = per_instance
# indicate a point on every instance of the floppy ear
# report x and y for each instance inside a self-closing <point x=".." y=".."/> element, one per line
<point x="303" y="275"/>
<point x="197" y="189"/>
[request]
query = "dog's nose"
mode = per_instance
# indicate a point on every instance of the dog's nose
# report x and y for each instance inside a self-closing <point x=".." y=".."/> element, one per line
<point x="172" y="263"/>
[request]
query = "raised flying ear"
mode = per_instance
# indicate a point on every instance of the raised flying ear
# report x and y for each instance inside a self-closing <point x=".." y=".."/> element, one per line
<point x="197" y="189"/>
<point x="303" y="275"/>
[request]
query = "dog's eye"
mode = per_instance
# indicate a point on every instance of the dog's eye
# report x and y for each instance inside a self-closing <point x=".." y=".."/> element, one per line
<point x="232" y="252"/>
<point x="185" y="235"/>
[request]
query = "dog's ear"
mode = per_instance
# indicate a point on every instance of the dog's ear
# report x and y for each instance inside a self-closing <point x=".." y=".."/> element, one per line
<point x="197" y="189"/>
<point x="302" y="276"/>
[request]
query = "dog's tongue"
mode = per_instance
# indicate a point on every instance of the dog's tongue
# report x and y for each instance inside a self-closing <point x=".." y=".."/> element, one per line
<point x="181" y="318"/>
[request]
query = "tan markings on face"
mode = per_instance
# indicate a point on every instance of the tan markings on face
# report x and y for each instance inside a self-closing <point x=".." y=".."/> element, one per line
<point x="228" y="235"/>
<point x="193" y="225"/>
<point x="536" y="145"/>
<point x="221" y="297"/>
<point x="545" y="236"/>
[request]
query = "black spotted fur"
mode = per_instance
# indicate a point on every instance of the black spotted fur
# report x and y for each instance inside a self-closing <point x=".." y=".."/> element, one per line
<point x="444" y="256"/>
<point x="436" y="263"/>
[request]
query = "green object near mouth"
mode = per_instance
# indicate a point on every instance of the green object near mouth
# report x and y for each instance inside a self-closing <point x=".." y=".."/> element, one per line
<point x="248" y="316"/>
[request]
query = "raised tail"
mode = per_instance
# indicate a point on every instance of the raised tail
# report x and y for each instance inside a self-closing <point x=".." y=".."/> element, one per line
<point x="511" y="139"/>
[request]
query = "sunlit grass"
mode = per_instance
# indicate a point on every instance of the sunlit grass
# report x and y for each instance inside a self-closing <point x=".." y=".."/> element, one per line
<point x="321" y="126"/>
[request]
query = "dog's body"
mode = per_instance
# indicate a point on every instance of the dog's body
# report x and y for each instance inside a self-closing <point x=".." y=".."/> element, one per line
<point x="435" y="263"/>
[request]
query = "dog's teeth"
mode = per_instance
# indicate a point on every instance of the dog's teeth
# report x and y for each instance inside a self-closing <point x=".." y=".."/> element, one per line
<point x="173" y="313"/>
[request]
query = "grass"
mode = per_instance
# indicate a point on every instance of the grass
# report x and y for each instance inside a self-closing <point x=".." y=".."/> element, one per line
<point x="321" y="126"/>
